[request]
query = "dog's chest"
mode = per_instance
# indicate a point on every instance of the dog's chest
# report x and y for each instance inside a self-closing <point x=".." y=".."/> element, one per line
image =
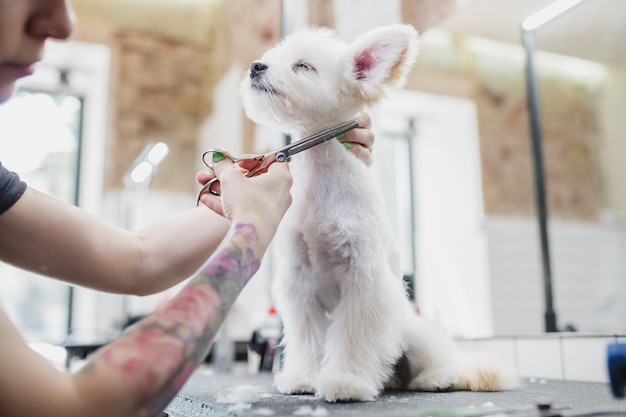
<point x="330" y="189"/>
<point x="335" y="219"/>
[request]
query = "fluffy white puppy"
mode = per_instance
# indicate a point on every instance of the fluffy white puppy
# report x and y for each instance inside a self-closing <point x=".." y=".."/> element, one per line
<point x="349" y="328"/>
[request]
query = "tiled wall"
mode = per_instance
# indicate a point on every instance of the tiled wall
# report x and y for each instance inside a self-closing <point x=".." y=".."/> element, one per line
<point x="559" y="356"/>
<point x="589" y="289"/>
<point x="588" y="273"/>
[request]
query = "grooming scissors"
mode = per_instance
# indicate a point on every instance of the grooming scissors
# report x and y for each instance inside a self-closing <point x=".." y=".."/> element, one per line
<point x="282" y="154"/>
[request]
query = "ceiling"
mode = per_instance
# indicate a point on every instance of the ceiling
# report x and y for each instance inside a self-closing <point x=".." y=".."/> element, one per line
<point x="594" y="30"/>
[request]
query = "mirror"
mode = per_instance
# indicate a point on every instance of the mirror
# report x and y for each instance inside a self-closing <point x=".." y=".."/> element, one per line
<point x="580" y="68"/>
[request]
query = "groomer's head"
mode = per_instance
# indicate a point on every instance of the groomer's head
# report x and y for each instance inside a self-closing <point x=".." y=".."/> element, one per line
<point x="25" y="25"/>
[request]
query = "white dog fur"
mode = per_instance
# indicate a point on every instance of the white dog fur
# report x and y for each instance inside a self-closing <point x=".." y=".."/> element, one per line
<point x="350" y="330"/>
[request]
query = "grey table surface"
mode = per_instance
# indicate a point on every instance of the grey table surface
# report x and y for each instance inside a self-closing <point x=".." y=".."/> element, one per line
<point x="211" y="394"/>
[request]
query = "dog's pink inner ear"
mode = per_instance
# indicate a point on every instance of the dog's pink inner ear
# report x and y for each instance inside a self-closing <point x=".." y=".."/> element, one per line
<point x="364" y="62"/>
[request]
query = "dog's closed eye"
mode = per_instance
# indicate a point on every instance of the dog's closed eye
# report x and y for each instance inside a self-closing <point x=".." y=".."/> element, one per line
<point x="301" y="65"/>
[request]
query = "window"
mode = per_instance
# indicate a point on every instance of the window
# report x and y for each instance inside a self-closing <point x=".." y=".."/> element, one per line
<point x="62" y="154"/>
<point x="46" y="155"/>
<point x="393" y="169"/>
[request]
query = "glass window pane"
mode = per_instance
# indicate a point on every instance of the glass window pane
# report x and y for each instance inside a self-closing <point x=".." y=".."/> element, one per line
<point x="392" y="168"/>
<point x="46" y="155"/>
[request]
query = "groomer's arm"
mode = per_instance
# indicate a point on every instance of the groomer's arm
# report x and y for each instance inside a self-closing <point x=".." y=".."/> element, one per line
<point x="140" y="372"/>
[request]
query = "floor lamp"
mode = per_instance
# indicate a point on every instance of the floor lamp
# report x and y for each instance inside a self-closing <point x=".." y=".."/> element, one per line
<point x="529" y="26"/>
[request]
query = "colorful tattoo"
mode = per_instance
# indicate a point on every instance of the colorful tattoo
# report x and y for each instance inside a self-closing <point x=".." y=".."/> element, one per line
<point x="156" y="357"/>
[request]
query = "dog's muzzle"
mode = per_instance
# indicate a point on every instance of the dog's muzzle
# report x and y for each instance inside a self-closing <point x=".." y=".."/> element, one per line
<point x="257" y="69"/>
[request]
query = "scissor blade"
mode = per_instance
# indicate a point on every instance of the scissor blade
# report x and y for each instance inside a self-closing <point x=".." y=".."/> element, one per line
<point x="321" y="137"/>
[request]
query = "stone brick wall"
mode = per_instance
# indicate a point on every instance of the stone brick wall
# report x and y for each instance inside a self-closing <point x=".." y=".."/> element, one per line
<point x="571" y="137"/>
<point x="168" y="60"/>
<point x="161" y="95"/>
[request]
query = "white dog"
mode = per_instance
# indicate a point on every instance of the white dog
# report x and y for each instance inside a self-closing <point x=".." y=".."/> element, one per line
<point x="349" y="328"/>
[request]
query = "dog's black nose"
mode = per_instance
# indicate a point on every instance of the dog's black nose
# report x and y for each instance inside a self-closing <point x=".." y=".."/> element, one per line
<point x="257" y="68"/>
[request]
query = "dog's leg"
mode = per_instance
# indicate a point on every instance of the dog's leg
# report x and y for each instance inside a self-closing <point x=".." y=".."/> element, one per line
<point x="304" y="326"/>
<point x="304" y="333"/>
<point x="365" y="338"/>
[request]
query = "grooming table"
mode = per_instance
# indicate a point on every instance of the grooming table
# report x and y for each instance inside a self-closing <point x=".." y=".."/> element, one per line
<point x="209" y="394"/>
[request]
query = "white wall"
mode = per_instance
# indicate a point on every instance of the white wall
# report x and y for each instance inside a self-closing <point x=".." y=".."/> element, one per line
<point x="588" y="272"/>
<point x="351" y="21"/>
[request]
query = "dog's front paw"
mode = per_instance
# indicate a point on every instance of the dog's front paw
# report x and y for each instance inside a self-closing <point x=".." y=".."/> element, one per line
<point x="436" y="380"/>
<point x="336" y="387"/>
<point x="291" y="382"/>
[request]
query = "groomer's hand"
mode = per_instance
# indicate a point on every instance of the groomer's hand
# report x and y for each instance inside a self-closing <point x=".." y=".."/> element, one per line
<point x="211" y="201"/>
<point x="360" y="141"/>
<point x="261" y="200"/>
<point x="214" y="202"/>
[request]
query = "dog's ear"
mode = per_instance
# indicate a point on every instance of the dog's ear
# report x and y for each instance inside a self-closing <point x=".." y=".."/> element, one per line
<point x="383" y="57"/>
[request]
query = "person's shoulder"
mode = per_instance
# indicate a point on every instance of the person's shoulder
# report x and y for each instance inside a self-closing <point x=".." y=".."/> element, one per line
<point x="11" y="188"/>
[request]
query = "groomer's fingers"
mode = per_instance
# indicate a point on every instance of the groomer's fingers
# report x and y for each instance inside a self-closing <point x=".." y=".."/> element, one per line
<point x="360" y="141"/>
<point x="261" y="200"/>
<point x="212" y="202"/>
<point x="364" y="119"/>
<point x="249" y="165"/>
<point x="202" y="177"/>
<point x="226" y="169"/>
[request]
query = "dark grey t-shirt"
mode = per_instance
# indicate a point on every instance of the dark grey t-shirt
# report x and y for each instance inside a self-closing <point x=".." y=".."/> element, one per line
<point x="11" y="188"/>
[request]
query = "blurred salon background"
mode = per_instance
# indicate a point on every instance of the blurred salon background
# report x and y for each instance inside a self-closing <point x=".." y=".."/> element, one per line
<point x="512" y="238"/>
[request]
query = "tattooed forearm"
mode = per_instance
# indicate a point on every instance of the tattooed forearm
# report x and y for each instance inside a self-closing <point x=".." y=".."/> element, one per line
<point x="155" y="357"/>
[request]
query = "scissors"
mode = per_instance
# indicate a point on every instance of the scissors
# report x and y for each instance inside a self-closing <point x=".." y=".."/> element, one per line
<point x="282" y="154"/>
